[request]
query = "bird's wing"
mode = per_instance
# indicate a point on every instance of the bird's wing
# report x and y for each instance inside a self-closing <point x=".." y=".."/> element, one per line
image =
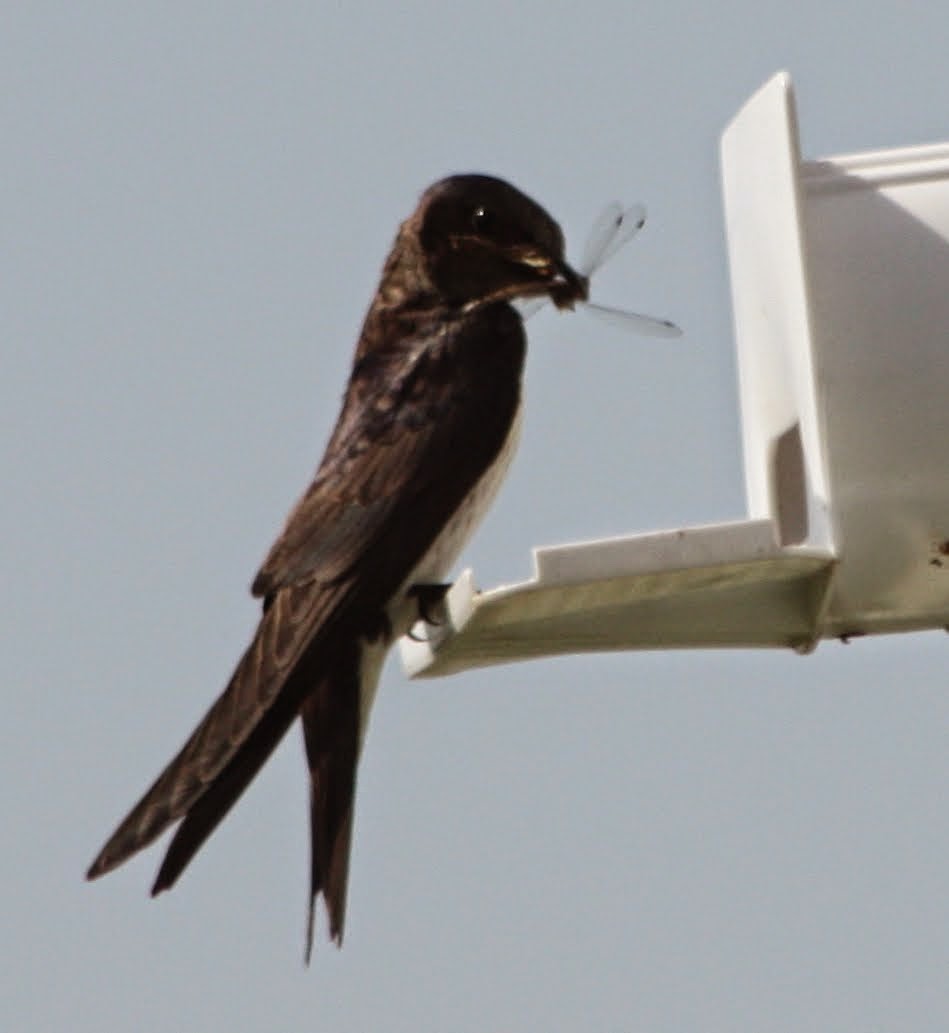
<point x="393" y="476"/>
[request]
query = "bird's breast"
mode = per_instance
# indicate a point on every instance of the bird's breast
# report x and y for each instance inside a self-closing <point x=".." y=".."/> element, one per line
<point x="447" y="546"/>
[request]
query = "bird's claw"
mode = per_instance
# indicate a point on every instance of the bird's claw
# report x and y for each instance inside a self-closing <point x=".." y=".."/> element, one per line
<point x="428" y="597"/>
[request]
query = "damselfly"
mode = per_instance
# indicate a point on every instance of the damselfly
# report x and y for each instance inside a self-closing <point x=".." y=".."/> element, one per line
<point x="614" y="228"/>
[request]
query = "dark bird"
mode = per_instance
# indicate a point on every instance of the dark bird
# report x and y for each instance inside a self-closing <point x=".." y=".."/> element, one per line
<point x="428" y="425"/>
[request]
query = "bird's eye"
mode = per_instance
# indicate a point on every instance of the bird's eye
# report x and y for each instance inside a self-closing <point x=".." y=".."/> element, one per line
<point x="482" y="219"/>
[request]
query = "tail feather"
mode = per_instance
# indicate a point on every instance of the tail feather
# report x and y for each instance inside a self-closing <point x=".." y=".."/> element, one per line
<point x="331" y="734"/>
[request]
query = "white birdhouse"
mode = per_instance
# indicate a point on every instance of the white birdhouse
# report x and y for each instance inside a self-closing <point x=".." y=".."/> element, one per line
<point x="840" y="287"/>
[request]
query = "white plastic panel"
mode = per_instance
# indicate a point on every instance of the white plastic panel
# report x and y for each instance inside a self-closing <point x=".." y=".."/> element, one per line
<point x="784" y="461"/>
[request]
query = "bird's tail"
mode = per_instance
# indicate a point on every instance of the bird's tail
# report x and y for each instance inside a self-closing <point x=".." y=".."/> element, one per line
<point x="330" y="713"/>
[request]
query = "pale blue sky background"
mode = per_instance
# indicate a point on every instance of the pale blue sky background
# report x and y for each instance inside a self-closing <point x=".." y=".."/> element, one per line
<point x="196" y="202"/>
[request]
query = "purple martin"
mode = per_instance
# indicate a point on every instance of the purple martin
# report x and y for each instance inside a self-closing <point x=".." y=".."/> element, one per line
<point x="428" y="425"/>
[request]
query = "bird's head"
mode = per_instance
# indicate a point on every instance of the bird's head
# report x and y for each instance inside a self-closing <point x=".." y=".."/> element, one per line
<point x="483" y="240"/>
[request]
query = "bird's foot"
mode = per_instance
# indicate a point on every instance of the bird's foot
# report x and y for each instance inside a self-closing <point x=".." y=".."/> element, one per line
<point x="428" y="598"/>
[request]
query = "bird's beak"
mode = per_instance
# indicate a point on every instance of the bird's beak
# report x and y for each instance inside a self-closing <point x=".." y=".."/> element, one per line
<point x="569" y="286"/>
<point x="564" y="284"/>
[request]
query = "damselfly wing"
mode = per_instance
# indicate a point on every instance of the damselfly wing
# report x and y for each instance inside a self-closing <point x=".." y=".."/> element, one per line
<point x="614" y="227"/>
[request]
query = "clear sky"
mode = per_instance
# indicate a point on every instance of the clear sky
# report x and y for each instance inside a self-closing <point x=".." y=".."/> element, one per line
<point x="196" y="202"/>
